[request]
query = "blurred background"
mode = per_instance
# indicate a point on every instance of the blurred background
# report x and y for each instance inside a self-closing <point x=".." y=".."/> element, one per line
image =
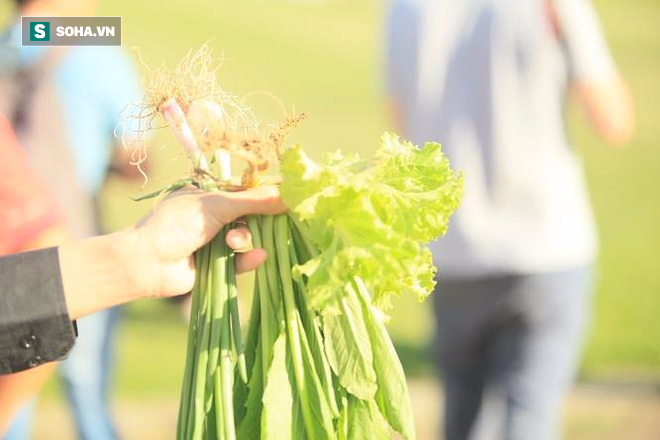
<point x="325" y="58"/>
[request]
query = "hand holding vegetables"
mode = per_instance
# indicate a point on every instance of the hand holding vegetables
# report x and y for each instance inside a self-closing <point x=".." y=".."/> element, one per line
<point x="316" y="361"/>
<point x="153" y="258"/>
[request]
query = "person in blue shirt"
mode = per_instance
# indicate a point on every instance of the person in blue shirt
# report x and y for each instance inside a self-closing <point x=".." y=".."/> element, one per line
<point x="94" y="85"/>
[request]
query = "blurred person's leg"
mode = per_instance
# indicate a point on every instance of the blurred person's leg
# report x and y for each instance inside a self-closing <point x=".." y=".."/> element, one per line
<point x="536" y="355"/>
<point x="86" y="375"/>
<point x="21" y="426"/>
<point x="18" y="396"/>
<point x="466" y="314"/>
<point x="108" y="353"/>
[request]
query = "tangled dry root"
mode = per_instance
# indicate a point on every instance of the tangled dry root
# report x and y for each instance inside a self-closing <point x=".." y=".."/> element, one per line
<point x="194" y="85"/>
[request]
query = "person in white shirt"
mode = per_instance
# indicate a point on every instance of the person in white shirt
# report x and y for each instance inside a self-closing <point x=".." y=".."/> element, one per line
<point x="489" y="79"/>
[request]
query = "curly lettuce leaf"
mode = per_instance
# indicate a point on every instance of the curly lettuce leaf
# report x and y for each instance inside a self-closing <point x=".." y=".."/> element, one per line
<point x="373" y="218"/>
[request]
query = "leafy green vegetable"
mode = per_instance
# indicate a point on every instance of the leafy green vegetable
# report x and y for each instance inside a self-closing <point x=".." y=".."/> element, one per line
<point x="277" y="417"/>
<point x="348" y="348"/>
<point x="364" y="421"/>
<point x="317" y="362"/>
<point x="391" y="378"/>
<point x="371" y="218"/>
<point x="316" y="412"/>
<point x="249" y="426"/>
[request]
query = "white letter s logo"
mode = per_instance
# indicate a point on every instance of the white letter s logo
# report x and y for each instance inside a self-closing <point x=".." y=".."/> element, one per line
<point x="39" y="31"/>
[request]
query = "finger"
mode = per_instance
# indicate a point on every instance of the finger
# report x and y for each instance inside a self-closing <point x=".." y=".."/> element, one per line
<point x="230" y="206"/>
<point x="239" y="239"/>
<point x="250" y="260"/>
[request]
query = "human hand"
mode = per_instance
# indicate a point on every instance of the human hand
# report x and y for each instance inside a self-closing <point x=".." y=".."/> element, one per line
<point x="167" y="238"/>
<point x="154" y="257"/>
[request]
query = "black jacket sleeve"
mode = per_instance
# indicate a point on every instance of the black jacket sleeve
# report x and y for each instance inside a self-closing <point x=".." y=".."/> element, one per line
<point x="35" y="327"/>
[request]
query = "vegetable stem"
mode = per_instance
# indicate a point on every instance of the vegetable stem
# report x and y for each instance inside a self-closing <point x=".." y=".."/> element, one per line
<point x="218" y="297"/>
<point x="201" y="263"/>
<point x="201" y="354"/>
<point x="291" y="318"/>
<point x="234" y="315"/>
<point x="176" y="119"/>
<point x="226" y="366"/>
<point x="223" y="162"/>
<point x="267" y="326"/>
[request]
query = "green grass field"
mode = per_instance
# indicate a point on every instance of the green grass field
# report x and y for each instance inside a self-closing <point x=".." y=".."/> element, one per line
<point x="625" y="186"/>
<point x="324" y="58"/>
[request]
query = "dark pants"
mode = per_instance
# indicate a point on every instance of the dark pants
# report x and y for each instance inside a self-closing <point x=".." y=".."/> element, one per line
<point x="508" y="348"/>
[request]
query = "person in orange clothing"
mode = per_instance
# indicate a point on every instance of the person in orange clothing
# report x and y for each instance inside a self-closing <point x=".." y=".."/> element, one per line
<point x="29" y="219"/>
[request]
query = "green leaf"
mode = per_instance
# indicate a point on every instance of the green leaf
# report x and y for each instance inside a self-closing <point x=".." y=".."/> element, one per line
<point x="315" y="407"/>
<point x="342" y="421"/>
<point x="348" y="348"/>
<point x="313" y="394"/>
<point x="392" y="396"/>
<point x="298" y="421"/>
<point x="311" y="324"/>
<point x="252" y="353"/>
<point x="277" y="417"/>
<point x="364" y="421"/>
<point x="173" y="187"/>
<point x="322" y="365"/>
<point x="250" y="426"/>
<point x="371" y="219"/>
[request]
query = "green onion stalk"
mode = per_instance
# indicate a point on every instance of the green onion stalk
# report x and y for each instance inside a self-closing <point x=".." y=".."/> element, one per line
<point x="215" y="355"/>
